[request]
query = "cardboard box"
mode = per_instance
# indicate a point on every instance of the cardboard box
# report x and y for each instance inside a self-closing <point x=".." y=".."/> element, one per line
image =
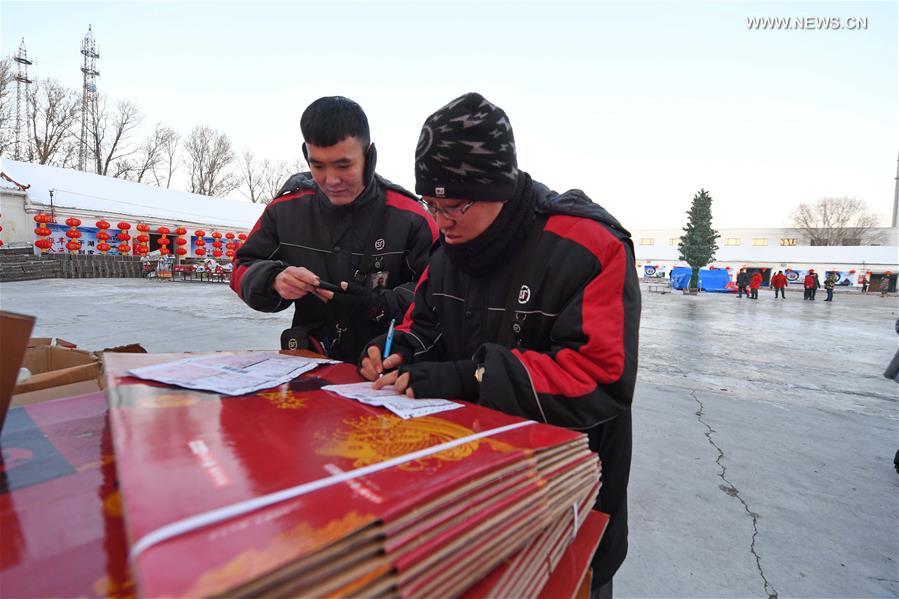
<point x="57" y="371"/>
<point x="16" y="329"/>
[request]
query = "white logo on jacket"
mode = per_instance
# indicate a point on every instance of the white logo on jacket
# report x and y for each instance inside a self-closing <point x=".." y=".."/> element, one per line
<point x="379" y="244"/>
<point x="524" y="295"/>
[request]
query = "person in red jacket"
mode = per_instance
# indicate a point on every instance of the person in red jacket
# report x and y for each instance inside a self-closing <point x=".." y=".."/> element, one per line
<point x="754" y="285"/>
<point x="779" y="282"/>
<point x="811" y="285"/>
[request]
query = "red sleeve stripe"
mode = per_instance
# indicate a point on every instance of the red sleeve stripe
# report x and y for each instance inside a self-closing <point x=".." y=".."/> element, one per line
<point x="573" y="373"/>
<point x="407" y="319"/>
<point x="236" y="277"/>
<point x="238" y="273"/>
<point x="402" y="202"/>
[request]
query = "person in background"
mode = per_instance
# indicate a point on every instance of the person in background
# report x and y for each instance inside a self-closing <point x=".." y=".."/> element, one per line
<point x="829" y="283"/>
<point x="808" y="285"/>
<point x="742" y="283"/>
<point x="754" y="285"/>
<point x="817" y="283"/>
<point x="863" y="280"/>
<point x="779" y="283"/>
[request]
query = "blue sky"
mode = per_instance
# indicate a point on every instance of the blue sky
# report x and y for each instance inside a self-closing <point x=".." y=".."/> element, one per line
<point x="639" y="104"/>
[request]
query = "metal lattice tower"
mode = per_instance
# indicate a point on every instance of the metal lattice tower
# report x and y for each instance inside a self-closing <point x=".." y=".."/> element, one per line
<point x="89" y="91"/>
<point x="22" y="82"/>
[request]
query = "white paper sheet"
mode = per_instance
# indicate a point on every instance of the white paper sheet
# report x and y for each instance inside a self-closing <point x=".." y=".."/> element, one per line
<point x="231" y="374"/>
<point x="402" y="406"/>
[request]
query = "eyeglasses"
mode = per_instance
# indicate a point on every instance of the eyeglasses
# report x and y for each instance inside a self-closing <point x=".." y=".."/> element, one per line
<point x="450" y="212"/>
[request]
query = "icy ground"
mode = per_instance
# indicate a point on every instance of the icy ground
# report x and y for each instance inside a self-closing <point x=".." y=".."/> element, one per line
<point x="764" y="432"/>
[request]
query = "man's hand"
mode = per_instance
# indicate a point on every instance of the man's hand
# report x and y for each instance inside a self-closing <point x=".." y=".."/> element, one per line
<point x="295" y="282"/>
<point x="450" y="380"/>
<point x="373" y="367"/>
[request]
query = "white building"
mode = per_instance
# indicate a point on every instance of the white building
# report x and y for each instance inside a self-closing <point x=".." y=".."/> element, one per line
<point x="773" y="249"/>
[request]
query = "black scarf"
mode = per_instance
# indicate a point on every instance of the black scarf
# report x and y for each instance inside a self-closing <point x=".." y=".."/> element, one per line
<point x="502" y="239"/>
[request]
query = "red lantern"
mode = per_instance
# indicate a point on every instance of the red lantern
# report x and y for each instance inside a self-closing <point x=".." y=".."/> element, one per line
<point x="123" y="236"/>
<point x="163" y="230"/>
<point x="180" y="241"/>
<point x="142" y="238"/>
<point x="165" y="251"/>
<point x="200" y="251"/>
<point x="217" y="253"/>
<point x="102" y="224"/>
<point x="163" y="241"/>
<point x="103" y="236"/>
<point x="216" y="235"/>
<point x="180" y="251"/>
<point x="217" y="244"/>
<point x="123" y="226"/>
<point x="242" y="236"/>
<point x="43" y="232"/>
<point x="124" y="249"/>
<point x="229" y="235"/>
<point x="851" y="272"/>
<point x="230" y="254"/>
<point x="231" y="246"/>
<point x="73" y="234"/>
<point x="142" y="250"/>
<point x="200" y="233"/>
<point x="104" y="247"/>
<point x="180" y="231"/>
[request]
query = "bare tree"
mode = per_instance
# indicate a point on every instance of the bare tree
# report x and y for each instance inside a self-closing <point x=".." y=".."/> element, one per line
<point x="7" y="107"/>
<point x="251" y="176"/>
<point x="151" y="156"/>
<point x="53" y="112"/>
<point x="209" y="157"/>
<point x="274" y="176"/>
<point x="837" y="221"/>
<point x="169" y="161"/>
<point x="108" y="135"/>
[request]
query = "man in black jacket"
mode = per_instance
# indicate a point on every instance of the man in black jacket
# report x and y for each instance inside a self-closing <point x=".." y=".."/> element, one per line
<point x="530" y="305"/>
<point x="743" y="283"/>
<point x="340" y="224"/>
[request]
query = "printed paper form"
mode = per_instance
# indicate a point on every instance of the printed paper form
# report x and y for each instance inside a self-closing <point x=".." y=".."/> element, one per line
<point x="232" y="374"/>
<point x="402" y="406"/>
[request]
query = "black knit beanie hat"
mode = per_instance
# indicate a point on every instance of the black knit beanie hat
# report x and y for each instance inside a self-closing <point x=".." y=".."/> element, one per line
<point x="466" y="150"/>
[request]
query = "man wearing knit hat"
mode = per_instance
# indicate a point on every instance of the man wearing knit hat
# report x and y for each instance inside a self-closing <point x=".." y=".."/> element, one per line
<point x="530" y="304"/>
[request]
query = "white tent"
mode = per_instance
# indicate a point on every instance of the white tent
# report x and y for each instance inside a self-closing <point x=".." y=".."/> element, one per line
<point x="106" y="197"/>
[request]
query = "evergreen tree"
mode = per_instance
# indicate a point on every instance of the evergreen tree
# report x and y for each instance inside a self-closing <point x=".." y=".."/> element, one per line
<point x="697" y="246"/>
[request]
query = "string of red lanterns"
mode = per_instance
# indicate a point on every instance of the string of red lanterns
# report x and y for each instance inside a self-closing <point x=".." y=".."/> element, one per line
<point x="103" y="236"/>
<point x="42" y="219"/>
<point x="180" y="241"/>
<point x="73" y="234"/>
<point x="143" y="239"/>
<point x="123" y="237"/>
<point x="217" y="244"/>
<point x="164" y="241"/>
<point x="201" y="242"/>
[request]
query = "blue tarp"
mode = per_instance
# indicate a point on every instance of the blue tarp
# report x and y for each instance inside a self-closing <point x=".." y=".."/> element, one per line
<point x="709" y="279"/>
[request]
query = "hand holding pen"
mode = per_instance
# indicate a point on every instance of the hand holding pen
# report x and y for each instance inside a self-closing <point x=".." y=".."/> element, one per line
<point x="373" y="367"/>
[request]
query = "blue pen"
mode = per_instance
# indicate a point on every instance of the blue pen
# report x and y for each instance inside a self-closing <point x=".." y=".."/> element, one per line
<point x="389" y="341"/>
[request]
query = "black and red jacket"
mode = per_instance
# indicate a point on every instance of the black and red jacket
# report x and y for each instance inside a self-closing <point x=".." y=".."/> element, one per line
<point x="557" y="335"/>
<point x="384" y="230"/>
